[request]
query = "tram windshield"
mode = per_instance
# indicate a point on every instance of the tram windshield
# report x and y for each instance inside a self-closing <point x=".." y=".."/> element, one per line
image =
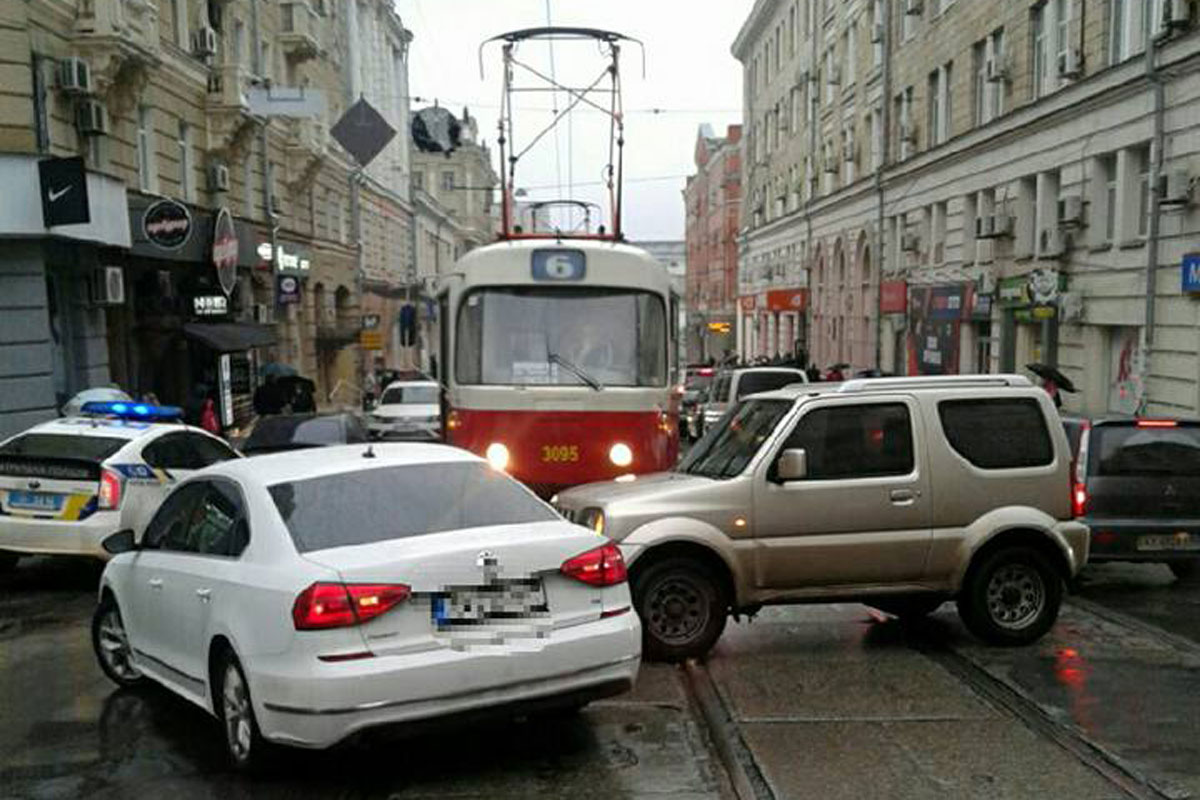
<point x="520" y="336"/>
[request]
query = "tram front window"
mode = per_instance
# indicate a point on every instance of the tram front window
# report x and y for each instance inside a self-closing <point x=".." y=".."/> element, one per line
<point x="563" y="337"/>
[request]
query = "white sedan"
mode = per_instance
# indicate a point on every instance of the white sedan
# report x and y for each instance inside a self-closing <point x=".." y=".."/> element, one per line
<point x="302" y="597"/>
<point x="409" y="410"/>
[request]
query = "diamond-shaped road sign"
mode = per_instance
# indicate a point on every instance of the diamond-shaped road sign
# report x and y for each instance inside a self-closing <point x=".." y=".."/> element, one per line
<point x="363" y="132"/>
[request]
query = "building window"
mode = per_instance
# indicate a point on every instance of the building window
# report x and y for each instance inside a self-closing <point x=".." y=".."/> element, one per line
<point x="179" y="20"/>
<point x="418" y="180"/>
<point x="248" y="185"/>
<point x="41" y="116"/>
<point x="851" y="53"/>
<point x="877" y="32"/>
<point x="1104" y="199"/>
<point x="187" y="186"/>
<point x="905" y="133"/>
<point x="792" y="31"/>
<point x="145" y="148"/>
<point x="1130" y="24"/>
<point x="939" y="105"/>
<point x="1142" y="158"/>
<point x="1052" y="53"/>
<point x="448" y="181"/>
<point x="908" y="22"/>
<point x="831" y="76"/>
<point x="1041" y="54"/>
<point x="876" y="117"/>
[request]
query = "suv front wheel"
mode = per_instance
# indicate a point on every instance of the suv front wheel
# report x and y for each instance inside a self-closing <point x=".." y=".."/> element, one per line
<point x="683" y="608"/>
<point x="1011" y="597"/>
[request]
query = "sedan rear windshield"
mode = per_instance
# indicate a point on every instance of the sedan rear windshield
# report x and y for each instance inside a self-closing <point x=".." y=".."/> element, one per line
<point x="378" y="505"/>
<point x="63" y="445"/>
<point x="1130" y="451"/>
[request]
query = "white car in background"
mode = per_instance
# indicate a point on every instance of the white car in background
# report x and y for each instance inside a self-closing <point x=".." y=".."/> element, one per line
<point x="305" y="596"/>
<point x="408" y="410"/>
<point x="68" y="484"/>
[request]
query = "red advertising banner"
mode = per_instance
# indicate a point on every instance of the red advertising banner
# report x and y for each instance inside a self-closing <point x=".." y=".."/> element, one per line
<point x="787" y="299"/>
<point x="935" y="315"/>
<point x="893" y="297"/>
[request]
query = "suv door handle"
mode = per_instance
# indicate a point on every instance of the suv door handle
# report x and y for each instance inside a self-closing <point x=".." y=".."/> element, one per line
<point x="156" y="583"/>
<point x="205" y="595"/>
<point x="904" y="497"/>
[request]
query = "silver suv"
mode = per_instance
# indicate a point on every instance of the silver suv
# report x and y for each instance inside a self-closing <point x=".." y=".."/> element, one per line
<point x="900" y="493"/>
<point x="733" y="385"/>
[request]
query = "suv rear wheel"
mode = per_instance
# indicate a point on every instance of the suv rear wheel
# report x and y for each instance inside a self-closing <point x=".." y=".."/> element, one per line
<point x="1011" y="597"/>
<point x="683" y="608"/>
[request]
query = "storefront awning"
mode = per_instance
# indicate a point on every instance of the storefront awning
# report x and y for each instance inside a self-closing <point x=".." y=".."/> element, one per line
<point x="229" y="337"/>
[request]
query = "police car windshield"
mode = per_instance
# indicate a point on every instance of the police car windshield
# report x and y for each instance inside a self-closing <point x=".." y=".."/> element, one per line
<point x="562" y="336"/>
<point x="61" y="445"/>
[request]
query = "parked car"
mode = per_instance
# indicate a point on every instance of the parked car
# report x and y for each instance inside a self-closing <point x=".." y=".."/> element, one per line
<point x="67" y="484"/>
<point x="733" y="385"/>
<point x="302" y="597"/>
<point x="901" y="493"/>
<point x="407" y="410"/>
<point x="1137" y="486"/>
<point x="280" y="432"/>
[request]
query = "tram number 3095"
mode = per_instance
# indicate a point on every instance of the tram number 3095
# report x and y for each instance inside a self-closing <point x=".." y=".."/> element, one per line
<point x="560" y="453"/>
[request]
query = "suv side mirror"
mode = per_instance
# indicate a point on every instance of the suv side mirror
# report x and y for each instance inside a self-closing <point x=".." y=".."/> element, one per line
<point x="119" y="542"/>
<point x="793" y="465"/>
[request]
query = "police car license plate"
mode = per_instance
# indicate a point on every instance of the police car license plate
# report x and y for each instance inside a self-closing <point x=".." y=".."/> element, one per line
<point x="480" y="604"/>
<point x="34" y="501"/>
<point x="1169" y="541"/>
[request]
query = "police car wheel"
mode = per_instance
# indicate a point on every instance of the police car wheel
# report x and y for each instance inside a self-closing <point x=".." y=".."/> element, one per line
<point x="8" y="560"/>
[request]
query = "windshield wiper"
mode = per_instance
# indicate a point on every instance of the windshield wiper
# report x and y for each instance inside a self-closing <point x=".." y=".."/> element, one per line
<point x="555" y="358"/>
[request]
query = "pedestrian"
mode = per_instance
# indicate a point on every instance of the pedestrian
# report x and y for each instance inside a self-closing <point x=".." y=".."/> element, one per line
<point x="433" y="366"/>
<point x="1052" y="389"/>
<point x="208" y="416"/>
<point x="370" y="384"/>
<point x="268" y="398"/>
<point x="302" y="400"/>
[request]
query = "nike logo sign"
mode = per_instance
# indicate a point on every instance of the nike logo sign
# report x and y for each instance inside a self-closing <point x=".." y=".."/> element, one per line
<point x="55" y="195"/>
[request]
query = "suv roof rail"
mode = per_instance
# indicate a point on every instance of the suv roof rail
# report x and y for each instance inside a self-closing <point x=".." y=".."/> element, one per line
<point x="931" y="382"/>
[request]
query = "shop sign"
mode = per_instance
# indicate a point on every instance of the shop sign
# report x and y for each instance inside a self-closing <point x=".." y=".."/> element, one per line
<point x="1191" y="272"/>
<point x="287" y="290"/>
<point x="893" y="297"/>
<point x="1013" y="292"/>
<point x="225" y="388"/>
<point x="1044" y="287"/>
<point x="720" y="327"/>
<point x="945" y="302"/>
<point x="370" y="340"/>
<point x="370" y="322"/>
<point x="288" y="260"/>
<point x="225" y="251"/>
<point x="210" y="305"/>
<point x="64" y="191"/>
<point x="749" y="302"/>
<point x="787" y="299"/>
<point x="981" y="307"/>
<point x="167" y="223"/>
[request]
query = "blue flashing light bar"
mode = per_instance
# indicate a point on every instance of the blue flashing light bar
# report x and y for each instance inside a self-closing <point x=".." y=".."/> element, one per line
<point x="139" y="411"/>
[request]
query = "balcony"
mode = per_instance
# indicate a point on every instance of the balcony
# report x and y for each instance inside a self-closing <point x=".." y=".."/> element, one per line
<point x="307" y="146"/>
<point x="230" y="120"/>
<point x="120" y="40"/>
<point x="299" y="30"/>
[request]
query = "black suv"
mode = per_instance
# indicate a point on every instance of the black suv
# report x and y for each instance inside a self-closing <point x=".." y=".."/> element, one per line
<point x="1137" y="487"/>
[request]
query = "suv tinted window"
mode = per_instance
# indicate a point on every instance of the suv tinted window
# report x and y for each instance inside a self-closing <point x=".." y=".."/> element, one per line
<point x="1130" y="451"/>
<point x="855" y="441"/>
<point x="998" y="433"/>
<point x="377" y="505"/>
<point x="755" y="382"/>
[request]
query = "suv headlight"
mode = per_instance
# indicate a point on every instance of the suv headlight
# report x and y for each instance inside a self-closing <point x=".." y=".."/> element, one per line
<point x="591" y="518"/>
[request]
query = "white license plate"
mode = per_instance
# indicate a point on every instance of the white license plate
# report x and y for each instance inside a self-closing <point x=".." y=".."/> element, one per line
<point x="34" y="501"/>
<point x="1169" y="541"/>
<point x="509" y="600"/>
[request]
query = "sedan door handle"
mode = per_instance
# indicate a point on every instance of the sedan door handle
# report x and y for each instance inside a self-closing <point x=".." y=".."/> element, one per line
<point x="205" y="595"/>
<point x="156" y="583"/>
<point x="903" y="497"/>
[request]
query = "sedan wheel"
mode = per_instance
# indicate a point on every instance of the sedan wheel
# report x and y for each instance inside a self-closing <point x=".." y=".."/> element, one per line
<point x="111" y="643"/>
<point x="243" y="741"/>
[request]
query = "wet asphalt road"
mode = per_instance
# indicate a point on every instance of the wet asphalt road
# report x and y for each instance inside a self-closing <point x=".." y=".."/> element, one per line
<point x="818" y="701"/>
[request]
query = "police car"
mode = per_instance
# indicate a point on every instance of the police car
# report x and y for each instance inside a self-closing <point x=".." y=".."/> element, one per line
<point x="65" y="485"/>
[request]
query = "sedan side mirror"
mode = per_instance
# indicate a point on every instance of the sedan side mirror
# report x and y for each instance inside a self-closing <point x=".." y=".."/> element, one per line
<point x="120" y="542"/>
<point x="793" y="465"/>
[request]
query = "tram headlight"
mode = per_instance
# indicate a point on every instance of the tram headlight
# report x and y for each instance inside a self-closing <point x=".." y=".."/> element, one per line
<point x="497" y="456"/>
<point x="620" y="455"/>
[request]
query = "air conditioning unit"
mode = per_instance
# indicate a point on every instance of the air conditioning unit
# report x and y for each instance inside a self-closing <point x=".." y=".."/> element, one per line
<point x="107" y="286"/>
<point x="1070" y="211"/>
<point x="1175" y="188"/>
<point x="984" y="227"/>
<point x="877" y="33"/>
<point x="913" y="8"/>
<point x="91" y="117"/>
<point x="218" y="178"/>
<point x="995" y="70"/>
<point x="1051" y="243"/>
<point x="204" y="42"/>
<point x="1176" y="14"/>
<point x="909" y="242"/>
<point x="1002" y="225"/>
<point x="264" y="314"/>
<point x="74" y="76"/>
<point x="1070" y="63"/>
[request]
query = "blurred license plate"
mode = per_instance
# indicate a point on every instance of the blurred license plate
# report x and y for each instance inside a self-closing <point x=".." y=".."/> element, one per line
<point x="34" y="501"/>
<point x="508" y="600"/>
<point x="1169" y="541"/>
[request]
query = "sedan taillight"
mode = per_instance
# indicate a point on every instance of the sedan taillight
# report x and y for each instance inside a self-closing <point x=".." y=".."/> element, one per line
<point x="109" y="497"/>
<point x="604" y="566"/>
<point x="340" y="605"/>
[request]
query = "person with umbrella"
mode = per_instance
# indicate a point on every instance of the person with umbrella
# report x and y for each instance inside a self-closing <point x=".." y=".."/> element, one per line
<point x="1052" y="381"/>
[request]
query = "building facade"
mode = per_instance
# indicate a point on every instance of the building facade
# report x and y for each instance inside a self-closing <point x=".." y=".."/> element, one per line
<point x="191" y="163"/>
<point x="713" y="201"/>
<point x="974" y="187"/>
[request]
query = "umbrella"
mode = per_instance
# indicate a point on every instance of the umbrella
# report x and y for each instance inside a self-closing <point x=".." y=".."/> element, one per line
<point x="277" y="369"/>
<point x="1049" y="373"/>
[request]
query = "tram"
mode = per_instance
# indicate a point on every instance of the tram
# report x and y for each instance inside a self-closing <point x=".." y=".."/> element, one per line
<point x="560" y="344"/>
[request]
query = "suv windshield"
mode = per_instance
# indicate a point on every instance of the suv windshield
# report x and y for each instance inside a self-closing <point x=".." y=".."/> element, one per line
<point x="410" y="395"/>
<point x="729" y="446"/>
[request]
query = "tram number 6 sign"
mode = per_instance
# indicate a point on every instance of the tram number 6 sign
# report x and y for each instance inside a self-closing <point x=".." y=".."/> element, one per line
<point x="560" y="453"/>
